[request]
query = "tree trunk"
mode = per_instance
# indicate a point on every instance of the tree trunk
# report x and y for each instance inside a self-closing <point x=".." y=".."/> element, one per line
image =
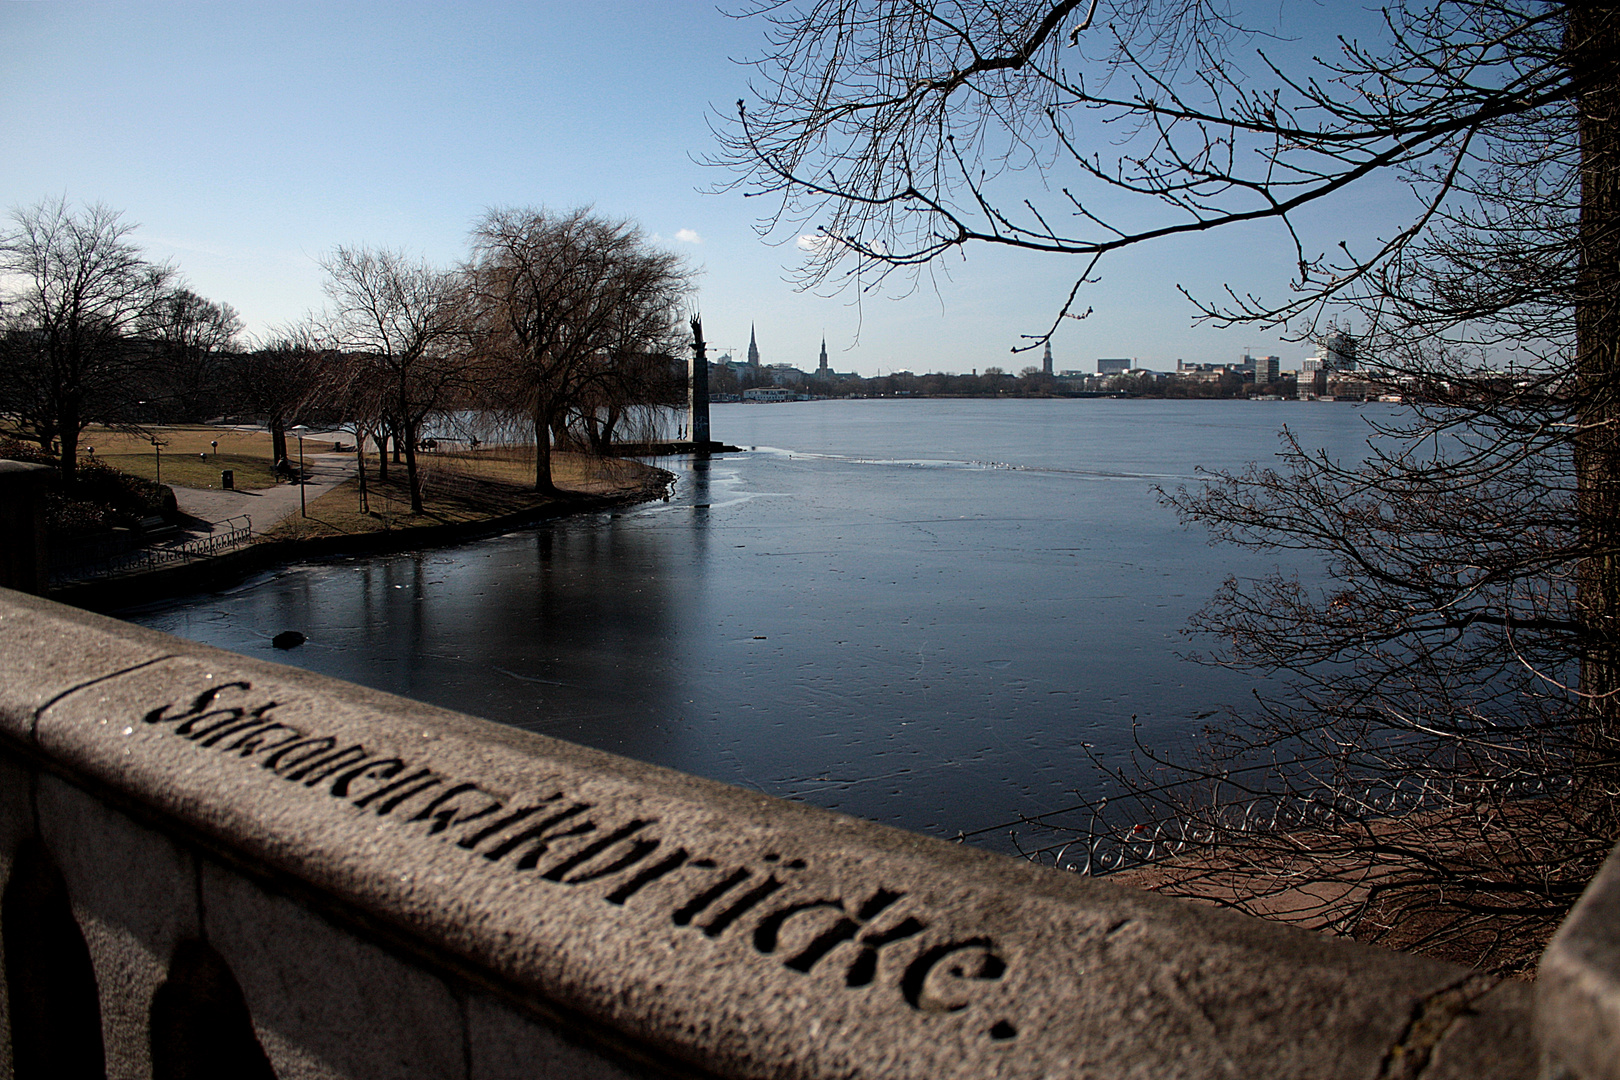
<point x="412" y="479"/>
<point x="590" y="437"/>
<point x="1592" y="41"/>
<point x="70" y="445"/>
<point x="698" y="390"/>
<point x="68" y="431"/>
<point x="45" y="435"/>
<point x="610" y="425"/>
<point x="66" y="394"/>
<point x="542" y="452"/>
<point x="360" y="465"/>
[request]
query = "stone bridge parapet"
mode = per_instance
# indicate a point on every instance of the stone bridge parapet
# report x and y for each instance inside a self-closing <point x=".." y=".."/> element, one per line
<point x="218" y="866"/>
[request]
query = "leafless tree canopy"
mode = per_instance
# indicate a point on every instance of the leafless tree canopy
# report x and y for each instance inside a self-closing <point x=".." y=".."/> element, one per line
<point x="1446" y="758"/>
<point x="576" y="316"/>
<point x="404" y="320"/>
<point x="895" y="127"/>
<point x="277" y="379"/>
<point x="78" y="289"/>
<point x="565" y="323"/>
<point x="192" y="336"/>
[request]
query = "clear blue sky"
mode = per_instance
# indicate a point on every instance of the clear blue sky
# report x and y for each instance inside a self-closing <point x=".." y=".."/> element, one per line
<point x="247" y="139"/>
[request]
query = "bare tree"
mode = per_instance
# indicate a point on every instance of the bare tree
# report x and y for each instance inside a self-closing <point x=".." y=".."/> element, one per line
<point x="1451" y="742"/>
<point x="272" y="380"/>
<point x="345" y="385"/>
<point x="191" y="335"/>
<point x="566" y="304"/>
<point x="897" y="124"/>
<point x="636" y="368"/>
<point x="405" y="317"/>
<point x="80" y="290"/>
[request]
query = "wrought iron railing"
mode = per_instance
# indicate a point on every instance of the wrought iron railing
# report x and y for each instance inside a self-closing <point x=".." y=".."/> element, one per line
<point x="1098" y="836"/>
<point x="224" y="536"/>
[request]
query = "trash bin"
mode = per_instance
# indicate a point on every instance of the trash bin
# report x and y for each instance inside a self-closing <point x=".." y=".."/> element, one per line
<point x="227" y="479"/>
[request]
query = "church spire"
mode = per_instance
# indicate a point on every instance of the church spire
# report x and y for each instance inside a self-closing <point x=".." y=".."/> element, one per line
<point x="822" y="370"/>
<point x="753" y="348"/>
<point x="1046" y="361"/>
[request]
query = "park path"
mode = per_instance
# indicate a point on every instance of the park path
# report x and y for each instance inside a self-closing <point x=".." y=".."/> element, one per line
<point x="266" y="507"/>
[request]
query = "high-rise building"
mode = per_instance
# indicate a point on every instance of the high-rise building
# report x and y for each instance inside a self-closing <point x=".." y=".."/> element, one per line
<point x="1339" y="350"/>
<point x="1113" y="366"/>
<point x="1046" y="361"/>
<point x="753" y="348"/>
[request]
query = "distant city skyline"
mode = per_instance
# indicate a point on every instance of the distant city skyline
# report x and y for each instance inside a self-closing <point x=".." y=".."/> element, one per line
<point x="249" y="141"/>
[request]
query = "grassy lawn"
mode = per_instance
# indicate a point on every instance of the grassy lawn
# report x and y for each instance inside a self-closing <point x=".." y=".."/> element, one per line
<point x="245" y="452"/>
<point x="459" y="487"/>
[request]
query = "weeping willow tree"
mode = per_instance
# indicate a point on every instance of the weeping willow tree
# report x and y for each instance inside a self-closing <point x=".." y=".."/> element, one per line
<point x="574" y="315"/>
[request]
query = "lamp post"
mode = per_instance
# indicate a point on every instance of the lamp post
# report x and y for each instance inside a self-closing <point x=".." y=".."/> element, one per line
<point x="303" y="509"/>
<point x="157" y="448"/>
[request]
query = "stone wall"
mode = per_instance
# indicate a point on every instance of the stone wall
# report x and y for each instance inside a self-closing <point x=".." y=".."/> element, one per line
<point x="22" y="526"/>
<point x="214" y="866"/>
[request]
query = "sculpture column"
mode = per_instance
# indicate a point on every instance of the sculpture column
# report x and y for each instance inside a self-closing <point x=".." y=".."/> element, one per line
<point x="698" y="390"/>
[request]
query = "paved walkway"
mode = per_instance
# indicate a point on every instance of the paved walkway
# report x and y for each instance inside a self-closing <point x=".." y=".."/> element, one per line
<point x="266" y="507"/>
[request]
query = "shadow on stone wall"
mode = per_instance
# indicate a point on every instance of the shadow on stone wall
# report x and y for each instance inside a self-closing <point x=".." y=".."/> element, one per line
<point x="200" y="1026"/>
<point x="200" y="1023"/>
<point x="50" y="985"/>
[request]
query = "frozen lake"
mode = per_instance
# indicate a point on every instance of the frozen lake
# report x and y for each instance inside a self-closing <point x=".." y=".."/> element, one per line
<point x="912" y="611"/>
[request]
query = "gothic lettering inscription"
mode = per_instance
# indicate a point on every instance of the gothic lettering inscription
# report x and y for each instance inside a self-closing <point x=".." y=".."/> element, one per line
<point x="879" y="939"/>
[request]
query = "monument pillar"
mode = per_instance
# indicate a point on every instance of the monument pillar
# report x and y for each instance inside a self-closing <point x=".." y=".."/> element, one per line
<point x="698" y="390"/>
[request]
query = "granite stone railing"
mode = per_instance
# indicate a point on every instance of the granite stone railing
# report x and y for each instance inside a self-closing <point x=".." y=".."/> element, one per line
<point x="215" y="866"/>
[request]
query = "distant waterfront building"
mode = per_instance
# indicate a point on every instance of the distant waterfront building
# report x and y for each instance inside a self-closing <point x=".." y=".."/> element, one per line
<point x="823" y="370"/>
<point x="1313" y="377"/>
<point x="753" y="348"/>
<point x="769" y="393"/>
<point x="1266" y="368"/>
<point x="1046" y="361"/>
<point x="1113" y="367"/>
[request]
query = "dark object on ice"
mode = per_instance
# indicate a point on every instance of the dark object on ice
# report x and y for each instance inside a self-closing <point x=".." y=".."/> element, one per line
<point x="287" y="639"/>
